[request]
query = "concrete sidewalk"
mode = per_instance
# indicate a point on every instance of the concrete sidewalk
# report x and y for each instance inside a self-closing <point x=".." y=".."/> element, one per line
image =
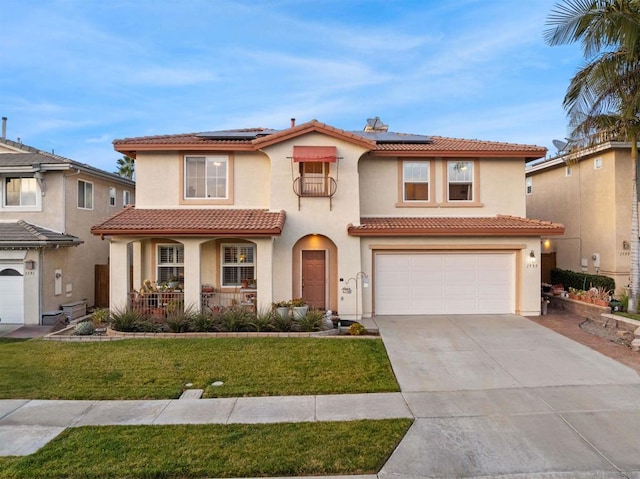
<point x="35" y="422"/>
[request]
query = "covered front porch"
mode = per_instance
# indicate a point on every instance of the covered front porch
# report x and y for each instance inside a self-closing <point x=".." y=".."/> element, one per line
<point x="198" y="259"/>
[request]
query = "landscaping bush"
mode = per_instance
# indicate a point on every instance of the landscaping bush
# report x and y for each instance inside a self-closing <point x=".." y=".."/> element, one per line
<point x="234" y="319"/>
<point x="85" y="328"/>
<point x="581" y="281"/>
<point x="357" y="329"/>
<point x="127" y="320"/>
<point x="203" y="323"/>
<point x="263" y="321"/>
<point x="312" y="321"/>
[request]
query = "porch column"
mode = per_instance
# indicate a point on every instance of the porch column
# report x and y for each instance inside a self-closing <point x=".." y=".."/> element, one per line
<point x="192" y="273"/>
<point x="118" y="274"/>
<point x="264" y="266"/>
<point x="137" y="263"/>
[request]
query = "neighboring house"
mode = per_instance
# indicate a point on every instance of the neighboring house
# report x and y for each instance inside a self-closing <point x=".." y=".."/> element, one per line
<point x="359" y="222"/>
<point x="590" y="193"/>
<point x="47" y="253"/>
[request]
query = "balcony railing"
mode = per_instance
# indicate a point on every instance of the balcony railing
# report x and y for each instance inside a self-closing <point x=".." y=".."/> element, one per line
<point x="314" y="187"/>
<point x="162" y="304"/>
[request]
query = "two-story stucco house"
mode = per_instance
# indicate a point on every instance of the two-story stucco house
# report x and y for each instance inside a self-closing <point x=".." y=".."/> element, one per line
<point x="359" y="222"/>
<point x="47" y="253"/>
<point x="589" y="191"/>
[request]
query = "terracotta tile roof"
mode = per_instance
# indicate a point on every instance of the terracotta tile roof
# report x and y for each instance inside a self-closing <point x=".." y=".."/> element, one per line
<point x="439" y="146"/>
<point x="206" y="221"/>
<point x="442" y="145"/>
<point x="20" y="234"/>
<point x="500" y="225"/>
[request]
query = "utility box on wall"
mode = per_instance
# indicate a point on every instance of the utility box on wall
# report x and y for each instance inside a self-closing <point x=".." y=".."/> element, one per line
<point x="75" y="310"/>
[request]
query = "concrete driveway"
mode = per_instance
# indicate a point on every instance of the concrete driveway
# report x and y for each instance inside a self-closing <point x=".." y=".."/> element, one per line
<point x="501" y="396"/>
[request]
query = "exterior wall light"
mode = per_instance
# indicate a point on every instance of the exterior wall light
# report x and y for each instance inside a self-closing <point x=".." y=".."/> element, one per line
<point x="30" y="264"/>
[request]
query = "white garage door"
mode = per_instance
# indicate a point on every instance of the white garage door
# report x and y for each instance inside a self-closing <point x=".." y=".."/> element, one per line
<point x="11" y="294"/>
<point x="444" y="283"/>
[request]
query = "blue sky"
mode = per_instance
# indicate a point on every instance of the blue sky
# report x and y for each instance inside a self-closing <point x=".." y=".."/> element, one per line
<point x="77" y="74"/>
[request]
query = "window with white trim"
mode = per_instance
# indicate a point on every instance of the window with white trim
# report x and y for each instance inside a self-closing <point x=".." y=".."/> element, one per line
<point x="238" y="263"/>
<point x="460" y="181"/>
<point x="126" y="198"/>
<point x="112" y="196"/>
<point x="20" y="192"/>
<point x="314" y="177"/>
<point x="529" y="185"/>
<point x="415" y="180"/>
<point x="206" y="177"/>
<point x="85" y="195"/>
<point x="170" y="262"/>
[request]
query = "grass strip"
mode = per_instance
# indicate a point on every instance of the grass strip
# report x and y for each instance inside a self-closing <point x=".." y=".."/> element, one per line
<point x="197" y="451"/>
<point x="160" y="368"/>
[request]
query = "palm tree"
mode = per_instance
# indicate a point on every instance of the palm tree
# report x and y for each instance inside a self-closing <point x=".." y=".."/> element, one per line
<point x="126" y="167"/>
<point x="603" y="98"/>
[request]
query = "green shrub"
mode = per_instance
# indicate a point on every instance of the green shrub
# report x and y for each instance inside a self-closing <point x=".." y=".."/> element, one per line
<point x="100" y="317"/>
<point x="126" y="320"/>
<point x="203" y="322"/>
<point x="234" y="319"/>
<point x="85" y="328"/>
<point x="283" y="324"/>
<point x="179" y="319"/>
<point x="263" y="321"/>
<point x="357" y="329"/>
<point x="582" y="281"/>
<point x="312" y="321"/>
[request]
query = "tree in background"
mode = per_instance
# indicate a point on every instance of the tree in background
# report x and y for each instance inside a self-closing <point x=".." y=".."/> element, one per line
<point x="126" y="167"/>
<point x="603" y="97"/>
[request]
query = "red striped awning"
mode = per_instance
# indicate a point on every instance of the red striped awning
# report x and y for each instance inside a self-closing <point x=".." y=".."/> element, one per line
<point x="315" y="153"/>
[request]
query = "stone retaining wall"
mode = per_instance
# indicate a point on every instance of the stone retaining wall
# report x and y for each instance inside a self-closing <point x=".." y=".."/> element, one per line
<point x="627" y="329"/>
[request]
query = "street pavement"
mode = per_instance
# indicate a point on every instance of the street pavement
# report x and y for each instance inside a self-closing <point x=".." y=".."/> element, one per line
<point x="492" y="396"/>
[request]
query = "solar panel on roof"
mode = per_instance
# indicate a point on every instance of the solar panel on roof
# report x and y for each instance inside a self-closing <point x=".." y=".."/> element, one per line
<point x="235" y="134"/>
<point x="392" y="137"/>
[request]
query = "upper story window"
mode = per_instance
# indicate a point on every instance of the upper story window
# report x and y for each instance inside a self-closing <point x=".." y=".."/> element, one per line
<point x="206" y="177"/>
<point x="529" y="185"/>
<point x="170" y="263"/>
<point x="460" y="178"/>
<point x="238" y="263"/>
<point x="21" y="192"/>
<point x="112" y="196"/>
<point x="597" y="164"/>
<point x="126" y="198"/>
<point x="314" y="177"/>
<point x="415" y="180"/>
<point x="85" y="195"/>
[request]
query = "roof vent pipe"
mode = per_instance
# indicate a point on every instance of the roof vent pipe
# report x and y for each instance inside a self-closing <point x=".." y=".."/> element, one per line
<point x="4" y="127"/>
<point x="293" y="122"/>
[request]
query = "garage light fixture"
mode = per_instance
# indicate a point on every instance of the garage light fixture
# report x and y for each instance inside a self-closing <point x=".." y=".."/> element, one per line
<point x="532" y="257"/>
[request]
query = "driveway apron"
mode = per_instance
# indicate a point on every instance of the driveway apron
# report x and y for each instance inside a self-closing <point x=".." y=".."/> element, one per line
<point x="501" y="396"/>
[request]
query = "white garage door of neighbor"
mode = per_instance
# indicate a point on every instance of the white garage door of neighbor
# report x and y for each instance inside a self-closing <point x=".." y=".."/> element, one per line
<point x="444" y="283"/>
<point x="11" y="294"/>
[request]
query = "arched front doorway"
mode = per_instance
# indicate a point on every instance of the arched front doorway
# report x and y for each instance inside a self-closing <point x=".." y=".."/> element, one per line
<point x="315" y="264"/>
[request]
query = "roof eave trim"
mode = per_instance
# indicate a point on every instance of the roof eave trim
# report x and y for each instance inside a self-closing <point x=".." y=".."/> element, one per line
<point x="190" y="232"/>
<point x="355" y="231"/>
<point x="516" y="155"/>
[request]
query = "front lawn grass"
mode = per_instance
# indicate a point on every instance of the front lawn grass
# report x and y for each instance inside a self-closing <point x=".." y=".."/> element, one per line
<point x="160" y="368"/>
<point x="196" y="451"/>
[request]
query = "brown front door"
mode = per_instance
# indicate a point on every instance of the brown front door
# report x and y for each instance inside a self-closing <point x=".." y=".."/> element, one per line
<point x="313" y="279"/>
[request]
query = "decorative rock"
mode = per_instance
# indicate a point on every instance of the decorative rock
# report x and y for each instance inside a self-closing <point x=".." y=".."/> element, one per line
<point x="635" y="345"/>
<point x="217" y="383"/>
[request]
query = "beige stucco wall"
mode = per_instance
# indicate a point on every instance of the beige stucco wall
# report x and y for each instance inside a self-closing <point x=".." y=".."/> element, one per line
<point x="500" y="188"/>
<point x="595" y="207"/>
<point x="250" y="188"/>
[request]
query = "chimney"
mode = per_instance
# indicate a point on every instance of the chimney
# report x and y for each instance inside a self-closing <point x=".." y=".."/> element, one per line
<point x="293" y="122"/>
<point x="4" y="127"/>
